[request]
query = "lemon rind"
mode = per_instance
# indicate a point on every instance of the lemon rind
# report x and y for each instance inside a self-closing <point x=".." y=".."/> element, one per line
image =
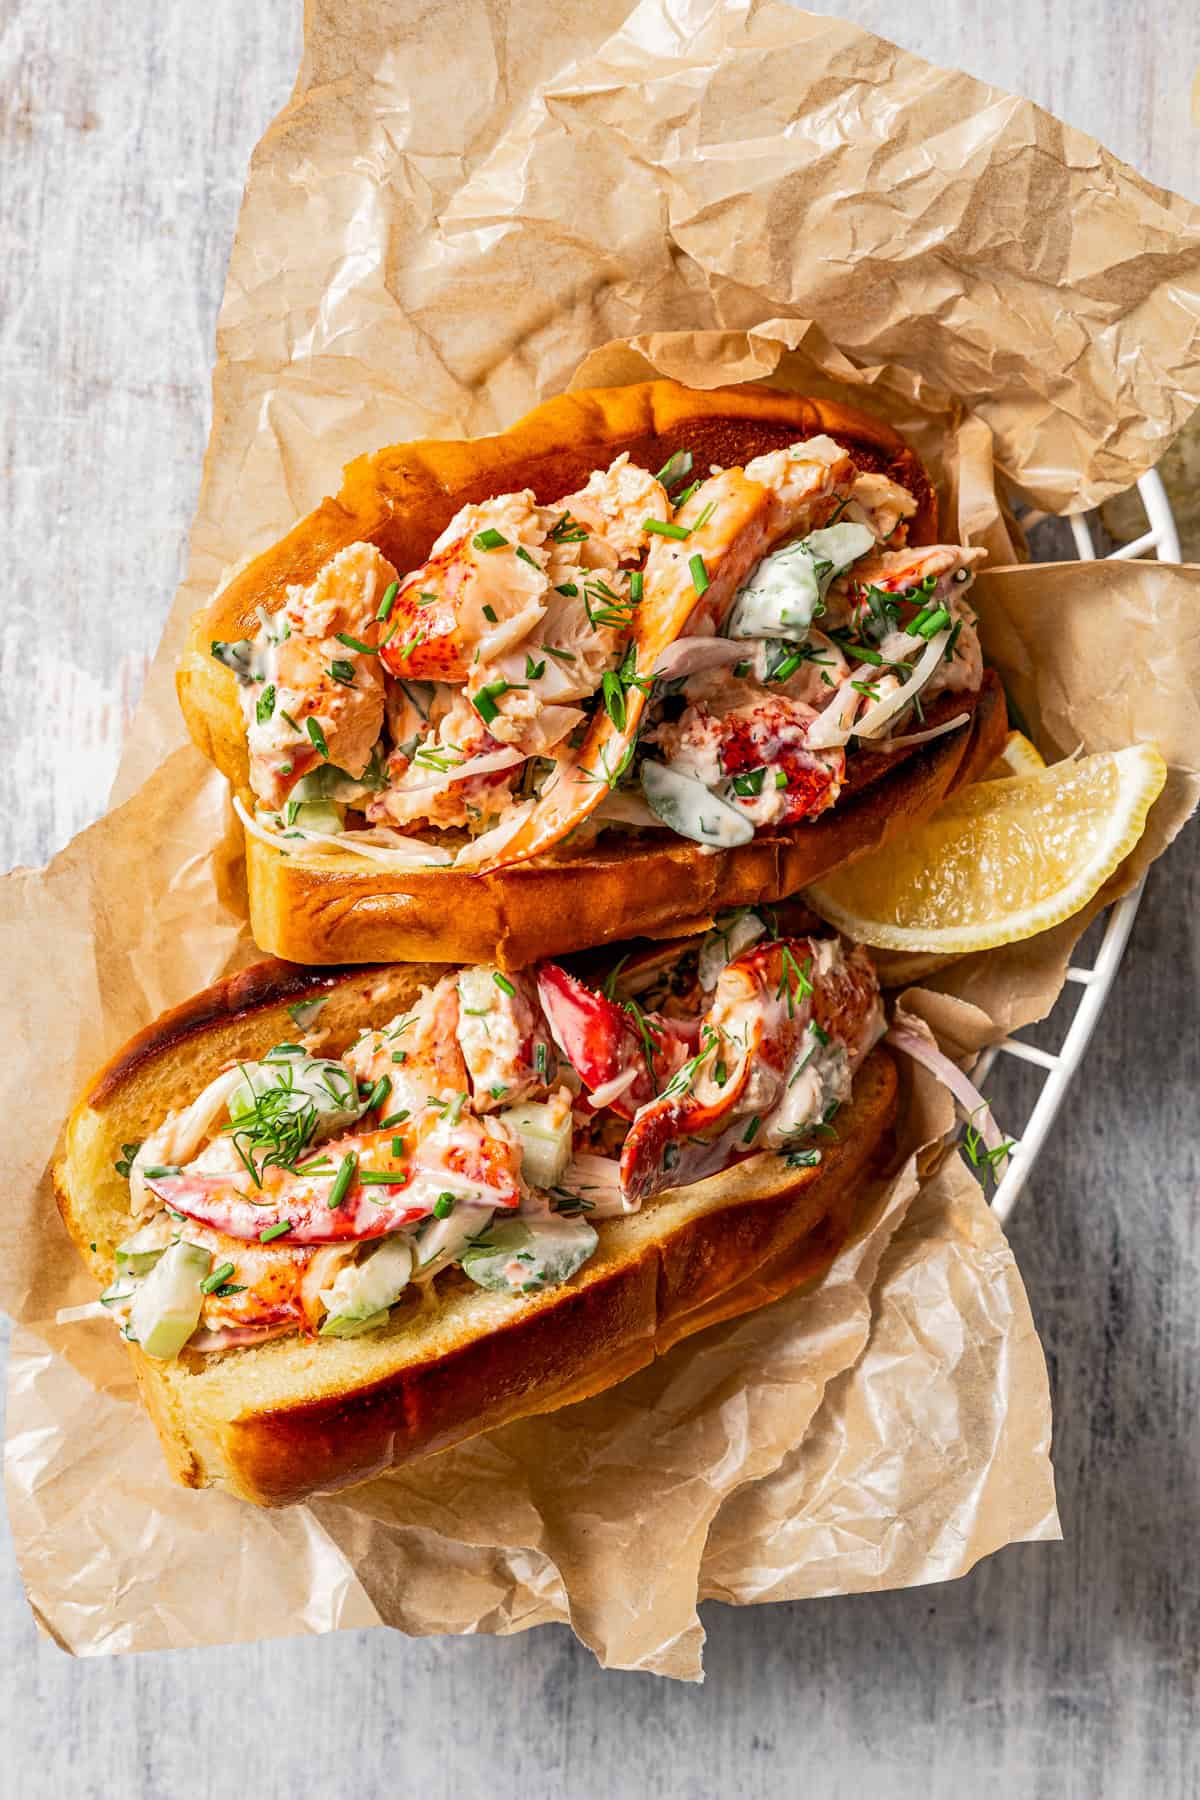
<point x="1029" y="921"/>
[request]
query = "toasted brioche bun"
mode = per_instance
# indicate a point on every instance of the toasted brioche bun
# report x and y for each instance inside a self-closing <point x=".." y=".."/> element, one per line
<point x="332" y="909"/>
<point x="293" y="1416"/>
<point x="337" y="909"/>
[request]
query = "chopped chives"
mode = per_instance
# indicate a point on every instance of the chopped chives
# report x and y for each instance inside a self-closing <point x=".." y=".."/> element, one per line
<point x="489" y="613"/>
<point x="353" y="643"/>
<point x="396" y="1118"/>
<point x="503" y="983"/>
<point x="379" y="1093"/>
<point x="525" y="557"/>
<point x="266" y="705"/>
<point x="443" y="1206"/>
<point x="614" y="699"/>
<point x="751" y="783"/>
<point x="274" y="1231"/>
<point x="342" y="671"/>
<point x="317" y="738"/>
<point x="491" y="539"/>
<point x="385" y="605"/>
<point x="699" y="574"/>
<point x="663" y="528"/>
<point x="636" y="582"/>
<point x="217" y="1278"/>
<point x="341" y="1181"/>
<point x="677" y="468"/>
<point x="383" y="1177"/>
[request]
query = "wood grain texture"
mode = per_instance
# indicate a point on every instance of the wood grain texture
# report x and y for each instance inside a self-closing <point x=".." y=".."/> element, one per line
<point x="125" y="128"/>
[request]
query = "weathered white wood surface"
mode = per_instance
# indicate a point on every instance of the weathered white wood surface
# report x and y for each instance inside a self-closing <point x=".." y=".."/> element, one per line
<point x="1051" y="1671"/>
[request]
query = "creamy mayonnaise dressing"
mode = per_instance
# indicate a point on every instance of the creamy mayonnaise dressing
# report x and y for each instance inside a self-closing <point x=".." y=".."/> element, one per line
<point x="451" y="697"/>
<point x="308" y="1192"/>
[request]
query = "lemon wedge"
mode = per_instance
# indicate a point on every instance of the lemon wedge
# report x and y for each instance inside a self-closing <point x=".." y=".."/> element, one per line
<point x="1020" y="756"/>
<point x="1001" y="860"/>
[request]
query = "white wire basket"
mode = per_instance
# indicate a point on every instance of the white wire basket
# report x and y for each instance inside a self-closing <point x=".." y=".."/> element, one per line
<point x="1057" y="1068"/>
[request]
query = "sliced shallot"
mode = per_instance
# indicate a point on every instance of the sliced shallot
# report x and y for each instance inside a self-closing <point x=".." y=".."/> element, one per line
<point x="913" y="738"/>
<point x="692" y="655"/>
<point x="836" y="725"/>
<point x="977" y="1109"/>
<point x="380" y="845"/>
<point x="597" y="1181"/>
<point x="486" y="764"/>
<point x="877" y="716"/>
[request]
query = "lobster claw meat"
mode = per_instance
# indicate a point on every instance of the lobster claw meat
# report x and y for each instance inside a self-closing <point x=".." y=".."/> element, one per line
<point x="679" y="1138"/>
<point x="711" y="1115"/>
<point x="623" y="1056"/>
<point x="395" y="1177"/>
<point x="790" y="1022"/>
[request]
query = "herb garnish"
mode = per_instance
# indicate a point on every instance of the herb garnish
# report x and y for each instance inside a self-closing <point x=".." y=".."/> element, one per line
<point x="614" y="698"/>
<point x="125" y="1162"/>
<point x="604" y="607"/>
<point x="677" y="468"/>
<point x="566" y="530"/>
<point x="794" y="981"/>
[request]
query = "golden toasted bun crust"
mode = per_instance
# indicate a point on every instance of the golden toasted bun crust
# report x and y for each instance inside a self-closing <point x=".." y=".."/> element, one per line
<point x="341" y="910"/>
<point x="332" y="910"/>
<point x="282" y="1420"/>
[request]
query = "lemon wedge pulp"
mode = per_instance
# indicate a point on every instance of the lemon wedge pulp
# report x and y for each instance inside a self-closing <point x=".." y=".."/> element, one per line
<point x="1002" y="859"/>
<point x="1019" y="756"/>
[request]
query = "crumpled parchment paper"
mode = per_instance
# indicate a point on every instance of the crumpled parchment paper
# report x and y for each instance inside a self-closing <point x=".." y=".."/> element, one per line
<point x="460" y="212"/>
